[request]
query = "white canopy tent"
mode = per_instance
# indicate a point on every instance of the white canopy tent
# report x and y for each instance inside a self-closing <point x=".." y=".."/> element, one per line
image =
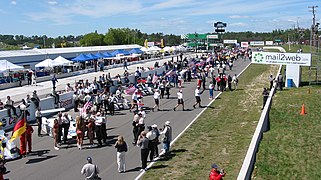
<point x="61" y="61"/>
<point x="47" y="63"/>
<point x="7" y="65"/>
<point x="144" y="49"/>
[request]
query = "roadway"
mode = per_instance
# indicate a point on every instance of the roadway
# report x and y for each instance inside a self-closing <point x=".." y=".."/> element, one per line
<point x="47" y="163"/>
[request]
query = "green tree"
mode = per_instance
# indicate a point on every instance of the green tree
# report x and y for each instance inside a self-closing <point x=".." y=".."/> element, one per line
<point x="92" y="39"/>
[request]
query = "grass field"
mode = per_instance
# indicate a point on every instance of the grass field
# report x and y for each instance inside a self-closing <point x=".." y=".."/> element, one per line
<point x="291" y="149"/>
<point x="221" y="134"/>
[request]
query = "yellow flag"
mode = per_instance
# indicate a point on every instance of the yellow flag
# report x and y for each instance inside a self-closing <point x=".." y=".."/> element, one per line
<point x="162" y="43"/>
<point x="146" y="43"/>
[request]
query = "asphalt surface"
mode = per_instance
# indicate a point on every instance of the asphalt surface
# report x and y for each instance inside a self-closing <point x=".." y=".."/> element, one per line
<point x="47" y="163"/>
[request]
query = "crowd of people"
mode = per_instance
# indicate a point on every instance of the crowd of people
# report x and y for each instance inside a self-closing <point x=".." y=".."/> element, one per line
<point x="94" y="101"/>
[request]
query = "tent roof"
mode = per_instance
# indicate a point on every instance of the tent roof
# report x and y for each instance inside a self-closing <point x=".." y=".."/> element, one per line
<point x="81" y="58"/>
<point x="100" y="55"/>
<point x="45" y="63"/>
<point x="107" y="54"/>
<point x="120" y="51"/>
<point x="136" y="51"/>
<point x="61" y="61"/>
<point x="92" y="56"/>
<point x="7" y="65"/>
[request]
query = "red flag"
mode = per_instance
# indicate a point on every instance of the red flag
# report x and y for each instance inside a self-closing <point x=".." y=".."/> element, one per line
<point x="155" y="77"/>
<point x="19" y="128"/>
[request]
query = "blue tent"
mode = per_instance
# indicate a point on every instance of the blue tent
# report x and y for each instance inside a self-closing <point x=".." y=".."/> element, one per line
<point x="100" y="55"/>
<point x="136" y="51"/>
<point x="81" y="58"/>
<point x="120" y="51"/>
<point x="107" y="54"/>
<point x="92" y="56"/>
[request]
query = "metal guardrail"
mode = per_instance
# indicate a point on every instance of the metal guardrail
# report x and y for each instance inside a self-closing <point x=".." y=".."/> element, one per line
<point x="262" y="126"/>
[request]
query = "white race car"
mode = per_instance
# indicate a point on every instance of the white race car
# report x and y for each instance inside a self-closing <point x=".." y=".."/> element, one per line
<point x="47" y="125"/>
<point x="9" y="149"/>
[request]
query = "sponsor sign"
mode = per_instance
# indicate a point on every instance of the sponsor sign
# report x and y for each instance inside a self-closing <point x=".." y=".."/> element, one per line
<point x="228" y="41"/>
<point x="257" y="43"/>
<point x="150" y="44"/>
<point x="213" y="36"/>
<point x="244" y="44"/>
<point x="301" y="59"/>
<point x="268" y="43"/>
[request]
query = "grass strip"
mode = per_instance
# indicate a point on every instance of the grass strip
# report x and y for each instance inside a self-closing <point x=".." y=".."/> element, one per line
<point x="291" y="149"/>
<point x="221" y="134"/>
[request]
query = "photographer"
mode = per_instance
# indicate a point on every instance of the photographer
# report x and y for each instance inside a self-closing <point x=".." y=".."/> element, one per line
<point x="215" y="174"/>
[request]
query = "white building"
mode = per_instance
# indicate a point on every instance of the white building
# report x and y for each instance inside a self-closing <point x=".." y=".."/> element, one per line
<point x="28" y="58"/>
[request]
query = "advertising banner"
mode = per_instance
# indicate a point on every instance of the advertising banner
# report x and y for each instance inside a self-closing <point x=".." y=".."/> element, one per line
<point x="301" y="59"/>
<point x="213" y="36"/>
<point x="244" y="44"/>
<point x="269" y="43"/>
<point x="229" y="41"/>
<point x="257" y="43"/>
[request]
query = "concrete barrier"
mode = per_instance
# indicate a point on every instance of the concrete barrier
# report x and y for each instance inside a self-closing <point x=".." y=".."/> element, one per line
<point x="262" y="126"/>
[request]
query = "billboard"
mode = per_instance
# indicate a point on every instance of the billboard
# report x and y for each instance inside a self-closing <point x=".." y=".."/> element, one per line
<point x="244" y="44"/>
<point x="269" y="43"/>
<point x="257" y="43"/>
<point x="301" y="59"/>
<point x="228" y="41"/>
<point x="213" y="36"/>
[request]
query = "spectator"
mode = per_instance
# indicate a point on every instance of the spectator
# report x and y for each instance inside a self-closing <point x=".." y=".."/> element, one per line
<point x="90" y="170"/>
<point x="197" y="97"/>
<point x="55" y="132"/>
<point x="39" y="120"/>
<point x="80" y="127"/>
<point x="215" y="174"/>
<point x="167" y="137"/>
<point x="54" y="80"/>
<point x="1" y="105"/>
<point x="265" y="94"/>
<point x="35" y="99"/>
<point x="122" y="148"/>
<point x="143" y="144"/>
<point x="180" y="100"/>
<point x="9" y="105"/>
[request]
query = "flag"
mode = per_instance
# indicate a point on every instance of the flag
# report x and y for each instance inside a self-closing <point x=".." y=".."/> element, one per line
<point x="130" y="90"/>
<point x="19" y="128"/>
<point x="162" y="43"/>
<point x="146" y="43"/>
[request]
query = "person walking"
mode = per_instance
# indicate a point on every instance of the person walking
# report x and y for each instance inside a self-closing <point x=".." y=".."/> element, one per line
<point x="167" y="134"/>
<point x="39" y="120"/>
<point x="265" y="94"/>
<point x="54" y="80"/>
<point x="180" y="100"/>
<point x="197" y="94"/>
<point x="156" y="100"/>
<point x="33" y="79"/>
<point x="211" y="90"/>
<point x="143" y="144"/>
<point x="235" y="81"/>
<point x="122" y="148"/>
<point x="90" y="170"/>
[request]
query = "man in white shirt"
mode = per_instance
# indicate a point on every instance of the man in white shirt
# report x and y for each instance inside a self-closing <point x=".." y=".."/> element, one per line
<point x="9" y="105"/>
<point x="235" y="81"/>
<point x="156" y="99"/>
<point x="180" y="100"/>
<point x="197" y="97"/>
<point x="90" y="170"/>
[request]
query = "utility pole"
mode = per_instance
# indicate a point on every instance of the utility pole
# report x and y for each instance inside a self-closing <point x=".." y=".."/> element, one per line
<point x="313" y="28"/>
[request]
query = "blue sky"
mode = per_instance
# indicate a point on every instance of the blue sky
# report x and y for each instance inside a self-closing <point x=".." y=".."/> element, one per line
<point x="76" y="17"/>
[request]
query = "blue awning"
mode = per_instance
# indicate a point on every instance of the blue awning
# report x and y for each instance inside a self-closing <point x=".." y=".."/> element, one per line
<point x="136" y="51"/>
<point x="81" y="58"/>
<point x="100" y="55"/>
<point x="120" y="51"/>
<point x="107" y="54"/>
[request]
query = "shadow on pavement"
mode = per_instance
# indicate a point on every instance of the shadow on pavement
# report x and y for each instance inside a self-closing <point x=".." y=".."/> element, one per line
<point x="39" y="152"/>
<point x="134" y="169"/>
<point x="36" y="160"/>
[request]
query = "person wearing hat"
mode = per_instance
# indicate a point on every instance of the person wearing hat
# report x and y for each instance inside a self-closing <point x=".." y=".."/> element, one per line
<point x="151" y="135"/>
<point x="98" y="122"/>
<point x="180" y="100"/>
<point x="155" y="129"/>
<point x="90" y="170"/>
<point x="167" y="134"/>
<point x="215" y="174"/>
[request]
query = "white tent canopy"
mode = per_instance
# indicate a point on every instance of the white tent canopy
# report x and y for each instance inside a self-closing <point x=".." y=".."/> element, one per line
<point x="144" y="49"/>
<point x="46" y="63"/>
<point x="154" y="48"/>
<point x="7" y="65"/>
<point x="60" y="61"/>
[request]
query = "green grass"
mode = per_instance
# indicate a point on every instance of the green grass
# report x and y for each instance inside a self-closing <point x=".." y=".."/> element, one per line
<point x="221" y="134"/>
<point x="291" y="149"/>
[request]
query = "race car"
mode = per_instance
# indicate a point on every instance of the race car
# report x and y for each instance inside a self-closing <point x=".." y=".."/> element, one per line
<point x="47" y="125"/>
<point x="9" y="150"/>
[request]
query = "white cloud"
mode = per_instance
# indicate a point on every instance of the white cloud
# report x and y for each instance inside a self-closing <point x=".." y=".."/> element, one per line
<point x="238" y="17"/>
<point x="52" y="2"/>
<point x="239" y="24"/>
<point x="13" y="2"/>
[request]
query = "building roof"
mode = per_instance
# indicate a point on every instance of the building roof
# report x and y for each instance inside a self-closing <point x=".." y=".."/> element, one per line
<point x="32" y="52"/>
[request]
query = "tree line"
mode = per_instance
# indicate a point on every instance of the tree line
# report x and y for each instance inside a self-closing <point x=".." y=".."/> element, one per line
<point x="120" y="36"/>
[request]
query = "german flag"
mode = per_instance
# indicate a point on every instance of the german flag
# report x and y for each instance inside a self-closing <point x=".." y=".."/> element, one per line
<point x="19" y="128"/>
